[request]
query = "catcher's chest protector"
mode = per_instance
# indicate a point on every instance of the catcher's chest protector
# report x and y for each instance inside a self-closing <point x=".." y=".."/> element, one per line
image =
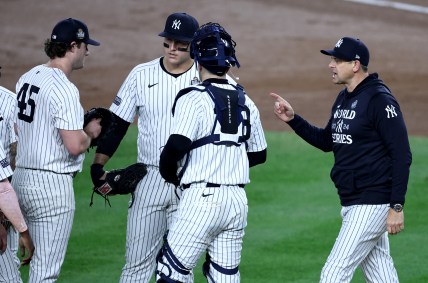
<point x="232" y="124"/>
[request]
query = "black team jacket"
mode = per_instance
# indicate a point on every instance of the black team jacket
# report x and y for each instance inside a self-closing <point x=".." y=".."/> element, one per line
<point x="368" y="137"/>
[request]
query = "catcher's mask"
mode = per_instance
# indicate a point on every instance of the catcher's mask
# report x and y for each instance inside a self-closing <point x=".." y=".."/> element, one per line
<point x="214" y="48"/>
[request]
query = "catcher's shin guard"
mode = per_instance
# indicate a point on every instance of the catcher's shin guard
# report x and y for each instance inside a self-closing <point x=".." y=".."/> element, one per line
<point x="217" y="271"/>
<point x="169" y="266"/>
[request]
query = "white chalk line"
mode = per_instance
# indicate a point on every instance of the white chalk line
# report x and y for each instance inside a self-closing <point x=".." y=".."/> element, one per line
<point x="395" y="5"/>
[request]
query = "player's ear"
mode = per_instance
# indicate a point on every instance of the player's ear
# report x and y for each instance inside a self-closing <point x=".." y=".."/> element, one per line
<point x="357" y="66"/>
<point x="73" y="44"/>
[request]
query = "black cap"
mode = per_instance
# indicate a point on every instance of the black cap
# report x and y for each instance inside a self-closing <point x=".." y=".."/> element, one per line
<point x="180" y="26"/>
<point x="70" y="30"/>
<point x="349" y="49"/>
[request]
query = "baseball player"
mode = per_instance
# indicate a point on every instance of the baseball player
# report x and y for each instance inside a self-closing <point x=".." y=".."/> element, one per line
<point x="148" y="92"/>
<point x="51" y="146"/>
<point x="368" y="137"/>
<point x="8" y="137"/>
<point x="217" y="136"/>
<point x="9" y="206"/>
<point x="9" y="262"/>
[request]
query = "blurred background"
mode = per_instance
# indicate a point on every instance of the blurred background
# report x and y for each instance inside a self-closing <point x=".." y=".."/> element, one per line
<point x="278" y="43"/>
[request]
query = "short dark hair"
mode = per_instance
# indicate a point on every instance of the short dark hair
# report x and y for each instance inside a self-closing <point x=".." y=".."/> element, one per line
<point x="57" y="49"/>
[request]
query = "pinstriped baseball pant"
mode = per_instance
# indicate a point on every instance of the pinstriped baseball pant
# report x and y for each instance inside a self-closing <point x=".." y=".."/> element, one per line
<point x="48" y="205"/>
<point x="9" y="261"/>
<point x="208" y="220"/>
<point x="362" y="241"/>
<point x="148" y="220"/>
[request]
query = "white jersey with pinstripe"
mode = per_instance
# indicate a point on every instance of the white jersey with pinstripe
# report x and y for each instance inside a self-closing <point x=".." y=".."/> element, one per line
<point x="7" y="119"/>
<point x="9" y="262"/>
<point x="148" y="93"/>
<point x="213" y="163"/>
<point x="7" y="132"/>
<point x="47" y="102"/>
<point x="208" y="218"/>
<point x="5" y="169"/>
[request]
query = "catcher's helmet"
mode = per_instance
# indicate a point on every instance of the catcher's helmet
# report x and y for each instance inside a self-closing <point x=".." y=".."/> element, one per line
<point x="214" y="48"/>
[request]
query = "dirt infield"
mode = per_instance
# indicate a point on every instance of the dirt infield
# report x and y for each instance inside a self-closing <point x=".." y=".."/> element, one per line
<point x="278" y="47"/>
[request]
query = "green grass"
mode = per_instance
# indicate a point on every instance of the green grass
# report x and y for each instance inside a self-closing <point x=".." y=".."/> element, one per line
<point x="292" y="224"/>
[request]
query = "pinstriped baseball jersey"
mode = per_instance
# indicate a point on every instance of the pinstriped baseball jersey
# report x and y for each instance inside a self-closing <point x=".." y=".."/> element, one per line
<point x="213" y="163"/>
<point x="9" y="262"/>
<point x="7" y="132"/>
<point x="149" y="92"/>
<point x="212" y="213"/>
<point x="47" y="102"/>
<point x="5" y="169"/>
<point x="7" y="119"/>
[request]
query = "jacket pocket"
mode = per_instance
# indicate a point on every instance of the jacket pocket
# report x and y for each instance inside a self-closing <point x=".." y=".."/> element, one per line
<point x="344" y="180"/>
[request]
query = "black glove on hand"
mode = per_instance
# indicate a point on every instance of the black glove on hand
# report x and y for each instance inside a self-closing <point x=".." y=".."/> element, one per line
<point x="97" y="171"/>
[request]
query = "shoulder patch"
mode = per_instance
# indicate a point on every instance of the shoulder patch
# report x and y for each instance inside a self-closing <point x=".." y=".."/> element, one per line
<point x="117" y="100"/>
<point x="390" y="111"/>
<point x="4" y="163"/>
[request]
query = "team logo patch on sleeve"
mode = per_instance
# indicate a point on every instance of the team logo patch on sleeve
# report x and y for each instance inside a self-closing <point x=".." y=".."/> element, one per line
<point x="390" y="110"/>
<point x="4" y="163"/>
<point x="117" y="100"/>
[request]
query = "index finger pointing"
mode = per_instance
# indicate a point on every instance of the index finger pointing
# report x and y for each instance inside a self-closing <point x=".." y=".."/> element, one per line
<point x="274" y="95"/>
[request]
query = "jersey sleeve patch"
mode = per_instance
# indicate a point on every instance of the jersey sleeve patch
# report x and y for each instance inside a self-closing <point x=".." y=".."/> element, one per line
<point x="117" y="100"/>
<point x="4" y="163"/>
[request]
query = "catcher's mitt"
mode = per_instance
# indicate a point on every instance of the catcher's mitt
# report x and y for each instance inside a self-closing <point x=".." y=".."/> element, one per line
<point x="107" y="122"/>
<point x="121" y="182"/>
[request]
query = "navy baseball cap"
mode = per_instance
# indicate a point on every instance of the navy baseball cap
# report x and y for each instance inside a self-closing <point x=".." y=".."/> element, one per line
<point x="180" y="26"/>
<point x="349" y="49"/>
<point x="70" y="30"/>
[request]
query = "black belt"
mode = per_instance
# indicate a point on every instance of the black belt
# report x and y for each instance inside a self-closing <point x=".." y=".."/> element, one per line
<point x="211" y="185"/>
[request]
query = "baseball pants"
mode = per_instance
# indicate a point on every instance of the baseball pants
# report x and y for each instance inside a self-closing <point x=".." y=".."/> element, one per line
<point x="208" y="220"/>
<point x="148" y="220"/>
<point x="48" y="205"/>
<point x="362" y="241"/>
<point x="9" y="261"/>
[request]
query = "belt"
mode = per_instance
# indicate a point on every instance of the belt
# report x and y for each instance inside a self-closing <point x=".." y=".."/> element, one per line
<point x="72" y="174"/>
<point x="212" y="185"/>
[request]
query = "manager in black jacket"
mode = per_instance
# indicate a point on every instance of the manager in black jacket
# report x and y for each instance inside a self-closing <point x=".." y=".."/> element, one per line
<point x="372" y="158"/>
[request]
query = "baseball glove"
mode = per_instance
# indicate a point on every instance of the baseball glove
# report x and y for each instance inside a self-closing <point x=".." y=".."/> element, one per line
<point x="107" y="122"/>
<point x="121" y="182"/>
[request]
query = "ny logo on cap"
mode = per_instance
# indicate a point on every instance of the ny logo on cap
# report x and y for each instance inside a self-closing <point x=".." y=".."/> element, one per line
<point x="339" y="43"/>
<point x="176" y="24"/>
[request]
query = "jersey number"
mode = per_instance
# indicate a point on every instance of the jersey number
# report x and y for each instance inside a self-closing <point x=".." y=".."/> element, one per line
<point x="24" y="103"/>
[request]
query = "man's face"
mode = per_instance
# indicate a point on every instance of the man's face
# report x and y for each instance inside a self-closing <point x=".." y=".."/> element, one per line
<point x="81" y="53"/>
<point x="176" y="52"/>
<point x="342" y="70"/>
